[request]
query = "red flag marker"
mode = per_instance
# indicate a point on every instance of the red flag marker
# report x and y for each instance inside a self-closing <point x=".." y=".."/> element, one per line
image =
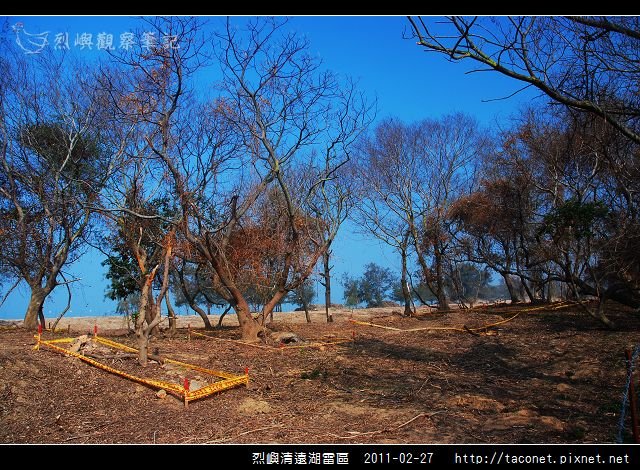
<point x="246" y="371"/>
<point x="39" y="328"/>
<point x="95" y="330"/>
<point x="186" y="384"/>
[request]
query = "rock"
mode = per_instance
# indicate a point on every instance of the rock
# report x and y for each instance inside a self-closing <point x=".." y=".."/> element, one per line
<point x="196" y="385"/>
<point x="251" y="406"/>
<point x="476" y="402"/>
<point x="509" y="421"/>
<point x="161" y="394"/>
<point x="77" y="343"/>
<point x="285" y="337"/>
<point x="523" y="417"/>
<point x="552" y="422"/>
<point x="562" y="388"/>
<point x="586" y="372"/>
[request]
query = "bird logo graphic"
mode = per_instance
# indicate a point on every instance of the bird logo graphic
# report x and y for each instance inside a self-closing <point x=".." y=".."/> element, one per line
<point x="28" y="42"/>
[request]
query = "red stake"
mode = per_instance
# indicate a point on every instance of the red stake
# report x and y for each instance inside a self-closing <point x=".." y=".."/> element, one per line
<point x="95" y="330"/>
<point x="186" y="392"/>
<point x="39" y="328"/>
<point x="246" y="371"/>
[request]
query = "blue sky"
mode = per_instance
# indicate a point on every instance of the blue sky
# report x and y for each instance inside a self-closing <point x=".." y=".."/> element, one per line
<point x="407" y="82"/>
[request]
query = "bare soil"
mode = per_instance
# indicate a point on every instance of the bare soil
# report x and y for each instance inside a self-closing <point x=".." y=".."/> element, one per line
<point x="547" y="376"/>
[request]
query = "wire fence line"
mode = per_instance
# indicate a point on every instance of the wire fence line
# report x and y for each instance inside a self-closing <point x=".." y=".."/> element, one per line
<point x="625" y="394"/>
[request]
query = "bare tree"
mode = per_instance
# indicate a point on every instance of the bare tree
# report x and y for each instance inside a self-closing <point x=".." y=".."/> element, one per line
<point x="277" y="104"/>
<point x="585" y="63"/>
<point x="558" y="209"/>
<point x="411" y="175"/>
<point x="385" y="174"/>
<point x="576" y="161"/>
<point x="231" y="161"/>
<point x="494" y="221"/>
<point x="287" y="104"/>
<point x="148" y="100"/>
<point x="53" y="165"/>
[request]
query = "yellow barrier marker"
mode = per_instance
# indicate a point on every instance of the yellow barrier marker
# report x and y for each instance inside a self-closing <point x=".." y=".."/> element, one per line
<point x="281" y="347"/>
<point x="183" y="392"/>
<point x="463" y="329"/>
<point x="232" y="341"/>
<point x="38" y="338"/>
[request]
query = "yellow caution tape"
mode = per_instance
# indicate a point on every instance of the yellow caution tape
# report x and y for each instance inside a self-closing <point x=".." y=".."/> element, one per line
<point x="317" y="345"/>
<point x="230" y="381"/>
<point x="272" y="349"/>
<point x="232" y="341"/>
<point x="463" y="329"/>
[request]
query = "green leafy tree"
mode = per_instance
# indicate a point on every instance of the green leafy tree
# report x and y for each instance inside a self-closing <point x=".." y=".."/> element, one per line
<point x="302" y="296"/>
<point x="376" y="285"/>
<point x="371" y="289"/>
<point x="351" y="295"/>
<point x="123" y="272"/>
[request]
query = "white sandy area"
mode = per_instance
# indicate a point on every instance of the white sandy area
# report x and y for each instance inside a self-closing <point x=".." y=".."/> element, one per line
<point x="81" y="324"/>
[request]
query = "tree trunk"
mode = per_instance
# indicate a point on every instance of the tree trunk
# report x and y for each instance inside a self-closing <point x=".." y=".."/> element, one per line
<point x="34" y="309"/>
<point x="550" y="291"/>
<point x="249" y="327"/>
<point x="268" y="308"/>
<point x="143" y="348"/>
<point x="203" y="315"/>
<point x="142" y="333"/>
<point x="513" y="292"/>
<point x="525" y="287"/>
<point x="226" y="310"/>
<point x="305" y="306"/>
<point x="599" y="314"/>
<point x="199" y="311"/>
<point x="150" y="312"/>
<point x="41" y="318"/>
<point x="443" y="303"/>
<point x="327" y="284"/>
<point x="406" y="294"/>
<point x="171" y="314"/>
<point x="191" y="301"/>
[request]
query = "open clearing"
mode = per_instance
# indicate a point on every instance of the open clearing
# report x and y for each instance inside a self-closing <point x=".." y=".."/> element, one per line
<point x="544" y="377"/>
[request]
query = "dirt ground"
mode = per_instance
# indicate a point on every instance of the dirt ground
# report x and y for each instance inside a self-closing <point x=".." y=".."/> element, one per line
<point x="547" y="376"/>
